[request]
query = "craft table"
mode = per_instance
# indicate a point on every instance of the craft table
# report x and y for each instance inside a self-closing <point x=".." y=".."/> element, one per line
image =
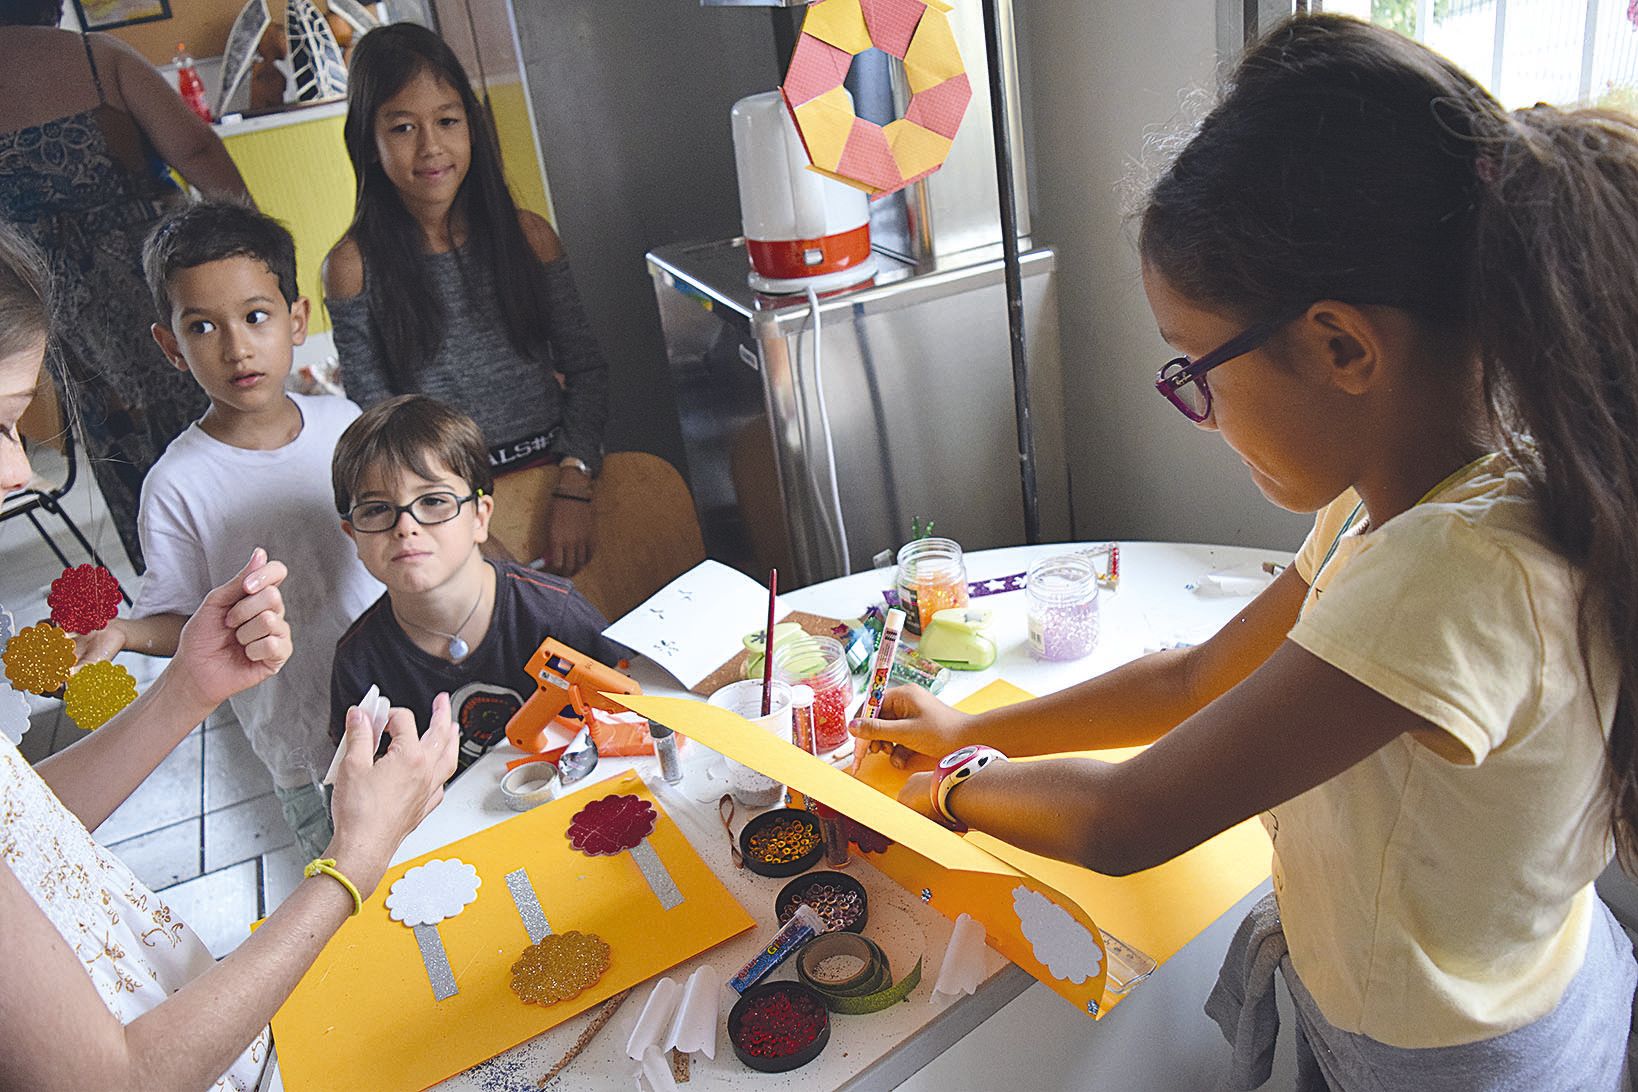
<point x="1146" y="1043"/>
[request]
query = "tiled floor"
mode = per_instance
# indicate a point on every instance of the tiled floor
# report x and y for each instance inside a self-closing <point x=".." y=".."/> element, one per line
<point x="204" y="828"/>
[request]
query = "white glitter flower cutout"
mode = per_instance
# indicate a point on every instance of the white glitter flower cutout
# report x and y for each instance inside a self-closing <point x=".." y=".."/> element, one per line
<point x="1061" y="943"/>
<point x="13" y="714"/>
<point x="428" y="894"/>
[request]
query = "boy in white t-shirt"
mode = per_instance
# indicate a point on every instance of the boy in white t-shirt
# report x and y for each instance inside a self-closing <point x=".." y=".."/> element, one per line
<point x="254" y="471"/>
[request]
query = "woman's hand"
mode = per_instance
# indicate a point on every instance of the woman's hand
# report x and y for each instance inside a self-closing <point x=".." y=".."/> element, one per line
<point x="378" y="802"/>
<point x="102" y="644"/>
<point x="570" y="536"/>
<point x="912" y="723"/>
<point x="237" y="637"/>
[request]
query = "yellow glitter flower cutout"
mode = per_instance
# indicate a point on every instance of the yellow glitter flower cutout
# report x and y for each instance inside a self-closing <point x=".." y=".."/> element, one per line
<point x="96" y="692"/>
<point x="38" y="658"/>
<point x="560" y="966"/>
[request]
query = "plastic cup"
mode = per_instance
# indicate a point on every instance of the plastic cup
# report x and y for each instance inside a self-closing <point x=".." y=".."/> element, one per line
<point x="749" y="788"/>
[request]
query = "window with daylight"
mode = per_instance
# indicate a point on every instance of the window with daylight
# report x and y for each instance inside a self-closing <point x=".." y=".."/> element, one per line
<point x="1525" y="51"/>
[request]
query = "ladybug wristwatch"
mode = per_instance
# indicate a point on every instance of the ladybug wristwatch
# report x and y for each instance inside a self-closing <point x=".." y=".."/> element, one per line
<point x="953" y="769"/>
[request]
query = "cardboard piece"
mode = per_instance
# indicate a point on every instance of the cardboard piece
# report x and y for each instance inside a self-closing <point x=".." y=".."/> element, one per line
<point x="1156" y="911"/>
<point x="362" y="1016"/>
<point x="733" y="669"/>
<point x="857" y="152"/>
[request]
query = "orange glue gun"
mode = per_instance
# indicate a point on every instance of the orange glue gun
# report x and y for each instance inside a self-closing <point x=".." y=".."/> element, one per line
<point x="568" y="685"/>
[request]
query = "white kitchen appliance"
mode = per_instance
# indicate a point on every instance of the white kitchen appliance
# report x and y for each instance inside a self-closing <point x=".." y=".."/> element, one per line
<point x="802" y="230"/>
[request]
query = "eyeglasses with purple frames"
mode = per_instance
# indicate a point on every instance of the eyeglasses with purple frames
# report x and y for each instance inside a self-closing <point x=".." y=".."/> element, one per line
<point x="1183" y="381"/>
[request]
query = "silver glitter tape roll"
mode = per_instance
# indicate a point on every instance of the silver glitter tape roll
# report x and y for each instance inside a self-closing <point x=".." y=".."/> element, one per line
<point x="529" y="785"/>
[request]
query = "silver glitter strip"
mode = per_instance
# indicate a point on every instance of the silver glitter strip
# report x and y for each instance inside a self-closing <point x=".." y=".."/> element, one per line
<point x="659" y="880"/>
<point x="523" y="894"/>
<point x="437" y="961"/>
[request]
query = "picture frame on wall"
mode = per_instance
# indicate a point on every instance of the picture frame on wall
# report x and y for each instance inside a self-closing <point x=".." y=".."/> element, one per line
<point x="108" y="14"/>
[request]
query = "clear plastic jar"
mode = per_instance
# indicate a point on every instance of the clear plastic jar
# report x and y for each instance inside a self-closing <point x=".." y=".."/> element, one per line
<point x="1062" y="593"/>
<point x="820" y="663"/>
<point x="932" y="577"/>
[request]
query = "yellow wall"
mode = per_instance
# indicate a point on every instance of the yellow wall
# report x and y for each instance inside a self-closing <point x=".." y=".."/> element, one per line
<point x="515" y="131"/>
<point x="299" y="174"/>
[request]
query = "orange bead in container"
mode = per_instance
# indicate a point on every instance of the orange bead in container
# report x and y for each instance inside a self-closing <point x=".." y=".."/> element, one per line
<point x="821" y="664"/>
<point x="932" y="577"/>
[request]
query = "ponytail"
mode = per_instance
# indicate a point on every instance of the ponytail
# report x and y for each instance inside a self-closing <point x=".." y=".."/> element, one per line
<point x="1553" y="300"/>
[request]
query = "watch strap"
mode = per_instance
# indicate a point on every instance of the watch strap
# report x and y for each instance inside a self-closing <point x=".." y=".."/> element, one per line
<point x="954" y="769"/>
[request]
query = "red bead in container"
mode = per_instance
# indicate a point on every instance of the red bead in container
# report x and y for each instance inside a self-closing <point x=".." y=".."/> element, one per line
<point x="778" y="1026"/>
<point x="820" y="663"/>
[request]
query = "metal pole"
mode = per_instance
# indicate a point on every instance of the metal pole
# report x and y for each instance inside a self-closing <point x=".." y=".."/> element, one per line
<point x="1014" y="276"/>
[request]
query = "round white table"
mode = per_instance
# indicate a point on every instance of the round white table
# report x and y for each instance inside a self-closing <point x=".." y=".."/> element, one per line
<point x="1013" y="1032"/>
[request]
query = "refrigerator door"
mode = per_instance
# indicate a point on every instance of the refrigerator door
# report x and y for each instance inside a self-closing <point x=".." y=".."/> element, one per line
<point x="918" y="384"/>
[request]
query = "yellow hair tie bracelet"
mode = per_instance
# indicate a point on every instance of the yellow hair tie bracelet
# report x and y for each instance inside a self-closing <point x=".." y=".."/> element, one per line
<point x="327" y="866"/>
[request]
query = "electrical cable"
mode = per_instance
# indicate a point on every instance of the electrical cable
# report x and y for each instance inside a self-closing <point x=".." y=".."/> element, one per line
<point x="830" y="442"/>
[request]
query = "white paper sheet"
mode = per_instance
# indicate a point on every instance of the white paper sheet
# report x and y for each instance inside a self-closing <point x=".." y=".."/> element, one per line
<point x="696" y="622"/>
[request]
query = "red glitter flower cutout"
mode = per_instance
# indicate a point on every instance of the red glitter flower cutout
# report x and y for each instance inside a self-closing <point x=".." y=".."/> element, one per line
<point x="868" y="841"/>
<point x="84" y="599"/>
<point x="612" y="825"/>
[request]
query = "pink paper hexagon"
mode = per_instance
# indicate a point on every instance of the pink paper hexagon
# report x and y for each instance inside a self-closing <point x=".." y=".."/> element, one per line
<point x="867" y="157"/>
<point x="942" y="106"/>
<point x="892" y="23"/>
<point x="815" y="68"/>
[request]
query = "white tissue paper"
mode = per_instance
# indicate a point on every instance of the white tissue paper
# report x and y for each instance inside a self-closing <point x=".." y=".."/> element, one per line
<point x="963" y="967"/>
<point x="644" y="1045"/>
<point x="694" y="1027"/>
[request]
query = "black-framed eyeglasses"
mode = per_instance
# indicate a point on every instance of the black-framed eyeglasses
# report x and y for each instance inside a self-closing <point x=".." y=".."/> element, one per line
<point x="429" y="510"/>
<point x="1183" y="381"/>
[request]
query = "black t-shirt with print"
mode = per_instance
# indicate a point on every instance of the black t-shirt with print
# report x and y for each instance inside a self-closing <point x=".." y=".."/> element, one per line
<point x="487" y="687"/>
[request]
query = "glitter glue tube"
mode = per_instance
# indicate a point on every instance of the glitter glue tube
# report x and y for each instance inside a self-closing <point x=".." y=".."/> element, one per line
<point x="802" y="733"/>
<point x="878" y="675"/>
<point x="804" y="925"/>
<point x="665" y="748"/>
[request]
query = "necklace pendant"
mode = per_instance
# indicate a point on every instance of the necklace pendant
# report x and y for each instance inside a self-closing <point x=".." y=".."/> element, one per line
<point x="458" y="649"/>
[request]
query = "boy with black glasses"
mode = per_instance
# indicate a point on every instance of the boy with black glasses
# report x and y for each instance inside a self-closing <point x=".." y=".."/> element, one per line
<point x="414" y="489"/>
<point x="249" y="473"/>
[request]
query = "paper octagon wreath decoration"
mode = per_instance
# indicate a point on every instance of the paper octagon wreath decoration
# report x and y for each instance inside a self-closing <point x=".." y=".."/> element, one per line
<point x="878" y="159"/>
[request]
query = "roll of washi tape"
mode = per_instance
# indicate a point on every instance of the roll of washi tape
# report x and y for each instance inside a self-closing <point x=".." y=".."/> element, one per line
<point x="529" y="785"/>
<point x="851" y="973"/>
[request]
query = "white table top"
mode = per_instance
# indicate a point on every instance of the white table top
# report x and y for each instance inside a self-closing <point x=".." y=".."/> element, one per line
<point x="1156" y="605"/>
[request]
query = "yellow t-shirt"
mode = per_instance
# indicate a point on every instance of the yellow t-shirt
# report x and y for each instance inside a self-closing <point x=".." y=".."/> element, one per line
<point x="1440" y="891"/>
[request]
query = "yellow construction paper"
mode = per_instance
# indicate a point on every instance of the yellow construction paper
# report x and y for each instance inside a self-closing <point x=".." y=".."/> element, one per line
<point x="825" y="122"/>
<point x="915" y="149"/>
<point x="959" y="873"/>
<point x="838" y="22"/>
<point x="933" y="56"/>
<point x="1159" y="909"/>
<point x="1156" y="911"/>
<point x="364" y="1016"/>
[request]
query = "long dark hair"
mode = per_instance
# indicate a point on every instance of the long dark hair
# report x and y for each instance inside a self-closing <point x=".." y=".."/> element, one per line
<point x="1346" y="162"/>
<point x="405" y="308"/>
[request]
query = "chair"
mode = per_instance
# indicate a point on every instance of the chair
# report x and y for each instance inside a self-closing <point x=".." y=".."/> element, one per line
<point x="647" y="531"/>
<point x="44" y="426"/>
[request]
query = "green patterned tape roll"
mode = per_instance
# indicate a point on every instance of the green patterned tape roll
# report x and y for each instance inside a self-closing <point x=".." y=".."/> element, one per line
<point x="864" y="985"/>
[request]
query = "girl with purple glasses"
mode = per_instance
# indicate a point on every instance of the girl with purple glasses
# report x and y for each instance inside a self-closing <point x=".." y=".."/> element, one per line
<point x="1414" y="314"/>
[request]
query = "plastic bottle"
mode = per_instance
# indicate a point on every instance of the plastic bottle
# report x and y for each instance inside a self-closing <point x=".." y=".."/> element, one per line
<point x="188" y="83"/>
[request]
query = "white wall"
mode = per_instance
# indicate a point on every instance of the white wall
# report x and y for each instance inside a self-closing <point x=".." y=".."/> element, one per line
<point x="1099" y="76"/>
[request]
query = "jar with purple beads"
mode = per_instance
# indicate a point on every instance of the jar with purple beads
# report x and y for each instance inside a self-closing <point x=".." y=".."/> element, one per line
<point x="1062" y="593"/>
